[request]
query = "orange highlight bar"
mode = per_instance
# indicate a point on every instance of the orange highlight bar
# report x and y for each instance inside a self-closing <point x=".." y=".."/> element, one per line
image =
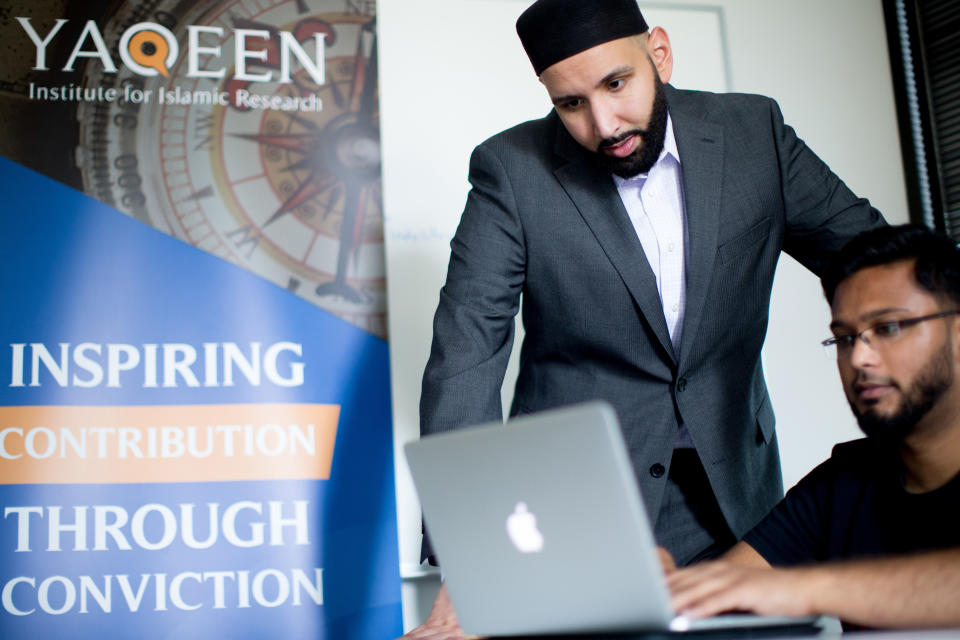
<point x="186" y="443"/>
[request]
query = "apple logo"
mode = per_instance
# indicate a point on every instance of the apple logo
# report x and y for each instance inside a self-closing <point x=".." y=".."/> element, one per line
<point x="522" y="530"/>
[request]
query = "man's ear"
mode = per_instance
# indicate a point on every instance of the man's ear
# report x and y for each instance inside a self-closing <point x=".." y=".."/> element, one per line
<point x="658" y="47"/>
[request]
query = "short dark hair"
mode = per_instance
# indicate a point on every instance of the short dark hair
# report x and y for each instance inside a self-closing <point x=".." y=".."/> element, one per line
<point x="936" y="259"/>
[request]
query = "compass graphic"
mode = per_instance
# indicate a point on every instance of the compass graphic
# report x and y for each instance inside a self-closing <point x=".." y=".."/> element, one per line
<point x="292" y="195"/>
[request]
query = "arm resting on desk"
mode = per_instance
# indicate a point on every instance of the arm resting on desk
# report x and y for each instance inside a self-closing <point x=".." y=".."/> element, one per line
<point x="918" y="590"/>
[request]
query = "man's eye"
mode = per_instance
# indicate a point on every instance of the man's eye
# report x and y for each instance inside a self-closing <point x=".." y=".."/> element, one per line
<point x="615" y="85"/>
<point x="844" y="341"/>
<point x="887" y="330"/>
<point x="570" y="105"/>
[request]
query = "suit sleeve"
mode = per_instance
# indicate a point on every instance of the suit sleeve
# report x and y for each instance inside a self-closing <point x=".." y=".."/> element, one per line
<point x="822" y="213"/>
<point x="473" y="324"/>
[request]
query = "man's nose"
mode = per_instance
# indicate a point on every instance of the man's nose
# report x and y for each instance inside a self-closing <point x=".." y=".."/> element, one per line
<point x="605" y="121"/>
<point x="862" y="353"/>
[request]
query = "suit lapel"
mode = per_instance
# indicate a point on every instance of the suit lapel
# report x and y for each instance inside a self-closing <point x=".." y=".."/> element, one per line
<point x="700" y="144"/>
<point x="594" y="194"/>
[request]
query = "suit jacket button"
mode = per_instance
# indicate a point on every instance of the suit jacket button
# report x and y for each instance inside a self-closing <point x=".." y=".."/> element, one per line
<point x="681" y="384"/>
<point x="657" y="470"/>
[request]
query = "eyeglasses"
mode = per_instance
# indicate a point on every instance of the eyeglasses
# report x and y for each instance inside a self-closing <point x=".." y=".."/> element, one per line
<point x="879" y="334"/>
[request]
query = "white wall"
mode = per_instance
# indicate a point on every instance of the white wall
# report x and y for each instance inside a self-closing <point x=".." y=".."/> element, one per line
<point x="452" y="73"/>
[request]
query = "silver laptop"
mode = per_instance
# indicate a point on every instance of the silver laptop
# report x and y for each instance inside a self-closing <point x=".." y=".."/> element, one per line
<point x="540" y="528"/>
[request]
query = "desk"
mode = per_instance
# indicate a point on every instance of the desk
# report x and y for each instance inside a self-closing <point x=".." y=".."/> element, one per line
<point x="831" y="634"/>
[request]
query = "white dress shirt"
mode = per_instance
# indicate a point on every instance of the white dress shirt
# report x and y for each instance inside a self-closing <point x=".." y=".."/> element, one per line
<point x="654" y="202"/>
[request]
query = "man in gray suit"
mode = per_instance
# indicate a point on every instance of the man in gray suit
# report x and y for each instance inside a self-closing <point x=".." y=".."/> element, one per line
<point x="642" y="226"/>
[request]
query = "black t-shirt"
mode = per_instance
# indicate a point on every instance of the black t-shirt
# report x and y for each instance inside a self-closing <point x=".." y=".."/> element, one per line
<point x="854" y="505"/>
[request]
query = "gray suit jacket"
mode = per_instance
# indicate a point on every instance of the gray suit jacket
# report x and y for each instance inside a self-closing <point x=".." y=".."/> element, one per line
<point x="541" y="221"/>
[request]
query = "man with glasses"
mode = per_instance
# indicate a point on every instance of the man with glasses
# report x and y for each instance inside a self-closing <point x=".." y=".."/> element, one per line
<point x="870" y="535"/>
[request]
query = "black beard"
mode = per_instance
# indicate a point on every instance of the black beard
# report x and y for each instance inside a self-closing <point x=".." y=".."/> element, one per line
<point x="931" y="384"/>
<point x="646" y="155"/>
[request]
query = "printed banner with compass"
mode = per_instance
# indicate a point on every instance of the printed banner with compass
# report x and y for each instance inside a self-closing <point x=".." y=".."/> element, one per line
<point x="195" y="422"/>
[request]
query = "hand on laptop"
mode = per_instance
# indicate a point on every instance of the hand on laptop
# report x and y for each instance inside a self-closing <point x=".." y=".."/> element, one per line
<point x="666" y="560"/>
<point x="716" y="587"/>
<point x="441" y="624"/>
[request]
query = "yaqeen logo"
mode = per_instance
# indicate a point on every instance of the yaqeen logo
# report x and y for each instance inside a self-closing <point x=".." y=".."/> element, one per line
<point x="150" y="50"/>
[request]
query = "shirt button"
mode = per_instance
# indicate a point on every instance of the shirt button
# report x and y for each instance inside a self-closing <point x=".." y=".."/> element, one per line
<point x="681" y="384"/>
<point x="670" y="247"/>
<point x="657" y="470"/>
<point x="676" y="307"/>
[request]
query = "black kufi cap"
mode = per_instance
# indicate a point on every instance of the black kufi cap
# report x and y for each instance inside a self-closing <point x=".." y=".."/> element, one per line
<point x="554" y="30"/>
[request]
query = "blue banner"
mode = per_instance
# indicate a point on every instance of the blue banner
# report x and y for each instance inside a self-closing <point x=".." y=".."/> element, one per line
<point x="195" y="420"/>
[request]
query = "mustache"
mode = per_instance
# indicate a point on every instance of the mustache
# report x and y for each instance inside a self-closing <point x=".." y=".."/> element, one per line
<point x="866" y="379"/>
<point x="615" y="140"/>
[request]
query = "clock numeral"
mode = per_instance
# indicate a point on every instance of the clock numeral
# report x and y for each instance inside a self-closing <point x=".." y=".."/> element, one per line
<point x="206" y="192"/>
<point x="293" y="284"/>
<point x="204" y="128"/>
<point x="362" y="7"/>
<point x="245" y="237"/>
<point x="165" y="18"/>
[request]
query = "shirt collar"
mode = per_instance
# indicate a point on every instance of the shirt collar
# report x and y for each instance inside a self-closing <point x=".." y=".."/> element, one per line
<point x="669" y="142"/>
